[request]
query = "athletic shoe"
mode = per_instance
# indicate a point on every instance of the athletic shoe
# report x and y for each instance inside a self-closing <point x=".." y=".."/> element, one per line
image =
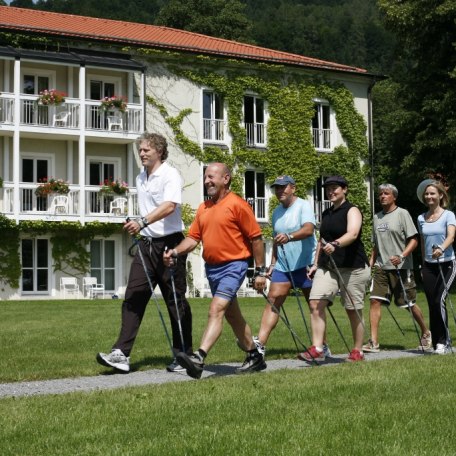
<point x="253" y="363"/>
<point x="355" y="355"/>
<point x="327" y="351"/>
<point x="426" y="342"/>
<point x="174" y="366"/>
<point x="371" y="347"/>
<point x="259" y="346"/>
<point x="312" y="354"/>
<point x="193" y="364"/>
<point x="115" y="359"/>
<point x="442" y="349"/>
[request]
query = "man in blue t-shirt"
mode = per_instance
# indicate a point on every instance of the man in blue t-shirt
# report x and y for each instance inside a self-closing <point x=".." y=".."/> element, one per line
<point x="293" y="251"/>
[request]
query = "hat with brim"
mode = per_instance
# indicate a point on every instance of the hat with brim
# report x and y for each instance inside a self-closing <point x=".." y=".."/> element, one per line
<point x="284" y="180"/>
<point x="336" y="180"/>
<point x="422" y="187"/>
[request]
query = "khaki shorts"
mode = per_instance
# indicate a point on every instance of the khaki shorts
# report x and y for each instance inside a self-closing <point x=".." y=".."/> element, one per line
<point x="326" y="285"/>
<point x="386" y="284"/>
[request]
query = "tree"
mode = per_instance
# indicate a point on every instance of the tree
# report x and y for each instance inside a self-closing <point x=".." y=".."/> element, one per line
<point x="220" y="18"/>
<point x="424" y="141"/>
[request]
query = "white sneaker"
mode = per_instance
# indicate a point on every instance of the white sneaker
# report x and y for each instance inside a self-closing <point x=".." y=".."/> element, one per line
<point x="326" y="350"/>
<point x="115" y="359"/>
<point x="442" y="349"/>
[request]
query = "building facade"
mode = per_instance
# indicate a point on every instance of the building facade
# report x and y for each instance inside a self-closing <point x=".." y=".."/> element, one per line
<point x="76" y="92"/>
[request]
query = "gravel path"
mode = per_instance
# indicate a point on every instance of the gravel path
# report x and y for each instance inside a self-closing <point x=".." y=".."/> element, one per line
<point x="154" y="376"/>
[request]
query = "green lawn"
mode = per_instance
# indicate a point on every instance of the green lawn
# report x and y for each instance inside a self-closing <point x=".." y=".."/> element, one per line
<point x="394" y="407"/>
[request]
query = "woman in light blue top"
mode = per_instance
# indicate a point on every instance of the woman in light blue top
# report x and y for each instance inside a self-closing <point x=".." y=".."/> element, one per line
<point x="437" y="229"/>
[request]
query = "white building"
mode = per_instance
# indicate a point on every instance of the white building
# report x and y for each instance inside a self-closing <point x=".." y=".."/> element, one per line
<point x="170" y="82"/>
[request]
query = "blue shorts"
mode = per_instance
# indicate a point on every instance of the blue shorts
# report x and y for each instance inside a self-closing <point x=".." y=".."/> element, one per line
<point x="299" y="277"/>
<point x="226" y="279"/>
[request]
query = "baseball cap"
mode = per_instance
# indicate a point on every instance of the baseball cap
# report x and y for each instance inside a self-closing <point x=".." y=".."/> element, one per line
<point x="284" y="180"/>
<point x="338" y="180"/>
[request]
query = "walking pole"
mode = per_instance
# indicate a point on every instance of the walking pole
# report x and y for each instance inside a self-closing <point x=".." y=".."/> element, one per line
<point x="136" y="241"/>
<point x="288" y="321"/>
<point x="395" y="321"/>
<point x="338" y="328"/>
<point x="296" y="292"/>
<point x="287" y="324"/>
<point x="409" y="307"/>
<point x="341" y="282"/>
<point x="181" y="333"/>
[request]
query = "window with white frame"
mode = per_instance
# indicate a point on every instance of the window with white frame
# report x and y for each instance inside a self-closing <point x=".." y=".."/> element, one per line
<point x="35" y="265"/>
<point x="213" y="116"/>
<point x="321" y="202"/>
<point x="98" y="87"/>
<point x="254" y="121"/>
<point x="101" y="169"/>
<point x="255" y="193"/>
<point x="321" y="127"/>
<point x="34" y="170"/>
<point x="102" y="262"/>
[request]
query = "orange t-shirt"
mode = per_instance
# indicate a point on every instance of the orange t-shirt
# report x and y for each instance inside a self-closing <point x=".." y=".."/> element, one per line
<point x="225" y="229"/>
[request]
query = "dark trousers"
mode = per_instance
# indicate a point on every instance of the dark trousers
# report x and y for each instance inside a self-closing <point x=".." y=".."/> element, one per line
<point x="138" y="293"/>
<point x="436" y="294"/>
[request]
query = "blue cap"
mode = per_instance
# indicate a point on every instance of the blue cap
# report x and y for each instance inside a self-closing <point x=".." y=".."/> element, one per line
<point x="284" y="180"/>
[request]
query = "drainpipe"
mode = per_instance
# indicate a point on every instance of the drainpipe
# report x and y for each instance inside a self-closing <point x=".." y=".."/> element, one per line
<point x="370" y="144"/>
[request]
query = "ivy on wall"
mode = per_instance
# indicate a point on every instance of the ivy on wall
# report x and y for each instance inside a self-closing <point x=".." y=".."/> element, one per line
<point x="290" y="147"/>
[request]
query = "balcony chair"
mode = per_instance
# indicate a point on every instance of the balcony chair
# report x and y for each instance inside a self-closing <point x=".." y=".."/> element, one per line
<point x="115" y="123"/>
<point x="92" y="288"/>
<point x="59" y="205"/>
<point x="69" y="286"/>
<point x="61" y="119"/>
<point x="118" y="206"/>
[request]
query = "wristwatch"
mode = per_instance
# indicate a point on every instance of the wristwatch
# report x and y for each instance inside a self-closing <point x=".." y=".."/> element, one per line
<point x="260" y="272"/>
<point x="401" y="257"/>
<point x="290" y="237"/>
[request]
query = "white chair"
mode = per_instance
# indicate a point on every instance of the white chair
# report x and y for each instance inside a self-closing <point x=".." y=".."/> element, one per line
<point x="61" y="119"/>
<point x="118" y="206"/>
<point x="115" y="123"/>
<point x="69" y="286"/>
<point x="59" y="205"/>
<point x="92" y="288"/>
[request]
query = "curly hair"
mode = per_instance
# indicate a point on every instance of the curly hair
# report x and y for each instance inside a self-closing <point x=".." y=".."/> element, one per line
<point x="157" y="141"/>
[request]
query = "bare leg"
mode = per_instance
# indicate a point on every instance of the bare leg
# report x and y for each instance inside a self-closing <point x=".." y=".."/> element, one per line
<point x="318" y="321"/>
<point x="214" y="327"/>
<point x="375" y="315"/>
<point x="278" y="292"/>
<point x="238" y="324"/>
<point x="419" y="318"/>
<point x="356" y="326"/>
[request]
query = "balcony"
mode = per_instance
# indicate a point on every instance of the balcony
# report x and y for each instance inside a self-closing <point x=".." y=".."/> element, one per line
<point x="67" y="116"/>
<point x="258" y="206"/>
<point x="214" y="130"/>
<point x="322" y="139"/>
<point x="255" y="134"/>
<point x="98" y="207"/>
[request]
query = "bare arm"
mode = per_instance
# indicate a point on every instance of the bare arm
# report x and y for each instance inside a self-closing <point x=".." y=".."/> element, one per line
<point x="409" y="248"/>
<point x="438" y="252"/>
<point x="160" y="212"/>
<point x="258" y="256"/>
<point x="305" y="231"/>
<point x="185" y="246"/>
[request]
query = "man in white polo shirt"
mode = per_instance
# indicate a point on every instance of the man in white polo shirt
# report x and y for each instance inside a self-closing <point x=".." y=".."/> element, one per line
<point x="159" y="188"/>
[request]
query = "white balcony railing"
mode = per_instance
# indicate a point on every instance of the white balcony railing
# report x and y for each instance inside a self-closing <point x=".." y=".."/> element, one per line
<point x="255" y="134"/>
<point x="258" y="206"/>
<point x="96" y="204"/>
<point x="213" y="129"/>
<point x="321" y="138"/>
<point x="68" y="114"/>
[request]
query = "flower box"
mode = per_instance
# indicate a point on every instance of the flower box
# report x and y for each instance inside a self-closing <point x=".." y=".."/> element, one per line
<point x="110" y="187"/>
<point x="48" y="186"/>
<point x="51" y="98"/>
<point x="113" y="103"/>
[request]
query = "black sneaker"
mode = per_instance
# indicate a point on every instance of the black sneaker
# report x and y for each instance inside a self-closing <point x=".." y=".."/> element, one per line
<point x="252" y="363"/>
<point x="193" y="364"/>
<point x="174" y="366"/>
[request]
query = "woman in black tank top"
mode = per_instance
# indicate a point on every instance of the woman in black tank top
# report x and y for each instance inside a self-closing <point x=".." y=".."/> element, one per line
<point x="340" y="238"/>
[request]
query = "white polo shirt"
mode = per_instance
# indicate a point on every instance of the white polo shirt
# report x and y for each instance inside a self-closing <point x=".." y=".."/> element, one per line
<point x="165" y="184"/>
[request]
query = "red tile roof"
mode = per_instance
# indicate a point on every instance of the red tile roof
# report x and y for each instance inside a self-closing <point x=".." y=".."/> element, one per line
<point x="120" y="32"/>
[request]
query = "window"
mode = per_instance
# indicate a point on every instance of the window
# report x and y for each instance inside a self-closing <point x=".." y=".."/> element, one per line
<point x="321" y="127"/>
<point x="99" y="171"/>
<point x="254" y="122"/>
<point x="35" y="265"/>
<point x="97" y="88"/>
<point x="321" y="203"/>
<point x="255" y="193"/>
<point x="34" y="170"/>
<point x="213" y="117"/>
<point x="33" y="84"/>
<point x="102" y="262"/>
<point x="101" y="89"/>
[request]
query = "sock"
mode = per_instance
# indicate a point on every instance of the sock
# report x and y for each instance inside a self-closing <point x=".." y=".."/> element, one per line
<point x="319" y="349"/>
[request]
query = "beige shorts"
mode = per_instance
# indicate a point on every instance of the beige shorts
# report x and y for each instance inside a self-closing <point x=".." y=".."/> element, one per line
<point x="326" y="285"/>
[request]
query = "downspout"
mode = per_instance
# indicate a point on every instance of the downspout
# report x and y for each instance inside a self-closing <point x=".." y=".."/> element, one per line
<point x="370" y="145"/>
